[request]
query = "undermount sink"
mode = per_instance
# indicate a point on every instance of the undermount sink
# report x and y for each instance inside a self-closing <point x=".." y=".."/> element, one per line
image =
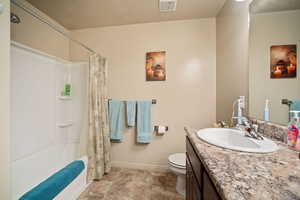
<point x="236" y="140"/>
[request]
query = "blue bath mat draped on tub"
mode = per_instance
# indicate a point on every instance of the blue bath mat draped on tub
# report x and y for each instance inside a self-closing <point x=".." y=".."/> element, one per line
<point x="51" y="187"/>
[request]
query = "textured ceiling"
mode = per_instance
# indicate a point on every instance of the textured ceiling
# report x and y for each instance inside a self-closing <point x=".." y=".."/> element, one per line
<point x="78" y="14"/>
<point x="264" y="6"/>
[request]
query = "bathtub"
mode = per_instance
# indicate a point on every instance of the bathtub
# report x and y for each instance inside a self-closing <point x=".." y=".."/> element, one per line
<point x="73" y="191"/>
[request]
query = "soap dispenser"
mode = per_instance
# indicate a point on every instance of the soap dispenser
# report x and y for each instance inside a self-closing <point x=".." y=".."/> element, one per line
<point x="67" y="82"/>
<point x="293" y="129"/>
<point x="297" y="118"/>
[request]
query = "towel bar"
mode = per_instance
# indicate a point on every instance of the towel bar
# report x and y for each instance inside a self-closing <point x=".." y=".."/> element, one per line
<point x="154" y="101"/>
<point x="286" y="102"/>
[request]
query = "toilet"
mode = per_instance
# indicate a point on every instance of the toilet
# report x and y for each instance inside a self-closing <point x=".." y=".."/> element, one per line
<point x="177" y="165"/>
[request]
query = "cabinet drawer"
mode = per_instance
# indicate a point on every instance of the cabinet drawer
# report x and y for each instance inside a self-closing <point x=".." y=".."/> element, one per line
<point x="194" y="161"/>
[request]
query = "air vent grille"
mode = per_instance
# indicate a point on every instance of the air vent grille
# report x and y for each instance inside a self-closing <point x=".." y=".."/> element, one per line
<point x="167" y="5"/>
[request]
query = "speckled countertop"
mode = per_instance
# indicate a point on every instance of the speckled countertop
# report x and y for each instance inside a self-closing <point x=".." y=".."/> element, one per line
<point x="239" y="176"/>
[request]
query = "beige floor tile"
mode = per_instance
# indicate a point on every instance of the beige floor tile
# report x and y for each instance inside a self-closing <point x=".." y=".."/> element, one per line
<point x="133" y="184"/>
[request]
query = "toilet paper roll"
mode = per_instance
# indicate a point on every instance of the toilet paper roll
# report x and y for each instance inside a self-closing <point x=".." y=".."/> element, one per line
<point x="161" y="130"/>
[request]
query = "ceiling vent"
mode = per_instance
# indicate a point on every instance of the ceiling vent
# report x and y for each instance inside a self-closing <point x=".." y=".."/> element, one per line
<point x="167" y="5"/>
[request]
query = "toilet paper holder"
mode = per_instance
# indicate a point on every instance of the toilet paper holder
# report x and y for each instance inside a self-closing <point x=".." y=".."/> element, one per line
<point x="156" y="128"/>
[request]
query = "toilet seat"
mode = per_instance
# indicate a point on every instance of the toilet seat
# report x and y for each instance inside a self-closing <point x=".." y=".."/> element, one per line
<point x="177" y="166"/>
<point x="178" y="160"/>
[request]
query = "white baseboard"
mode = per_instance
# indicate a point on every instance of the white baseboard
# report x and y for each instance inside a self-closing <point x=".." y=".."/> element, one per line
<point x="132" y="165"/>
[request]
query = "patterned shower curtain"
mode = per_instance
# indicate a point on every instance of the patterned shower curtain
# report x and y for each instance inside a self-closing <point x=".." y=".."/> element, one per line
<point x="98" y="135"/>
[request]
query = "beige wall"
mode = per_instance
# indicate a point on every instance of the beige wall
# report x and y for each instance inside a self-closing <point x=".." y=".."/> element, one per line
<point x="269" y="29"/>
<point x="186" y="98"/>
<point x="4" y="102"/>
<point x="232" y="56"/>
<point x="37" y="35"/>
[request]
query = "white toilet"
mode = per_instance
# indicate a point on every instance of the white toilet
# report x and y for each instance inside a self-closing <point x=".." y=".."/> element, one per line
<point x="177" y="163"/>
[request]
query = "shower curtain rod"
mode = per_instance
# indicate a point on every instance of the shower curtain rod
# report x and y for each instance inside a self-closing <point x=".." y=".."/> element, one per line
<point x="56" y="28"/>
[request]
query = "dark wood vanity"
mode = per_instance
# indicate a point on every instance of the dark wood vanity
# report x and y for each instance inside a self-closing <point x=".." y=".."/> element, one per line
<point x="198" y="183"/>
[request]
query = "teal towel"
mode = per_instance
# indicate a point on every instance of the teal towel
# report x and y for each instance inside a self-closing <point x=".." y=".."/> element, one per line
<point x="131" y="110"/>
<point x="116" y="120"/>
<point x="144" y="124"/>
<point x="51" y="187"/>
<point x="295" y="105"/>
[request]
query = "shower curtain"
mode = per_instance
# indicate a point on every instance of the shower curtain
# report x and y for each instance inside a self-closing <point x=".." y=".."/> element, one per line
<point x="98" y="134"/>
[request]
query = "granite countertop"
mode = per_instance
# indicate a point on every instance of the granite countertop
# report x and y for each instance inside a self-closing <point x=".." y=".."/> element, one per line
<point x="239" y="176"/>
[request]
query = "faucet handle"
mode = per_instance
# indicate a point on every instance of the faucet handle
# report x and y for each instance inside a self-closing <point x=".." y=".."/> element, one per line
<point x="245" y="121"/>
<point x="255" y="127"/>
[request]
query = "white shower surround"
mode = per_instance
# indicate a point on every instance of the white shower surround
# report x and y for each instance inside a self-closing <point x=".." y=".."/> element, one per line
<point x="38" y="147"/>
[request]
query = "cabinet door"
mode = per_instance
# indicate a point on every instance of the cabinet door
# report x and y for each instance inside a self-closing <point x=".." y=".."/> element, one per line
<point x="209" y="192"/>
<point x="194" y="161"/>
<point x="196" y="191"/>
<point x="188" y="191"/>
<point x="193" y="191"/>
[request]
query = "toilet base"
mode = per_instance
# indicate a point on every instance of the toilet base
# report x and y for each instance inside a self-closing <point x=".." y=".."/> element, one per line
<point x="177" y="164"/>
<point x="180" y="185"/>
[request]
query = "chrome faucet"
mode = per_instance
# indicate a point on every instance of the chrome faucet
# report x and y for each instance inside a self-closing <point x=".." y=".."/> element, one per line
<point x="242" y="123"/>
<point x="251" y="129"/>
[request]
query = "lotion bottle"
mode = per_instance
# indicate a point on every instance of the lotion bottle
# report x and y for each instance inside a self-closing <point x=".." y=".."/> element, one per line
<point x="293" y="129"/>
<point x="297" y="143"/>
<point x="267" y="110"/>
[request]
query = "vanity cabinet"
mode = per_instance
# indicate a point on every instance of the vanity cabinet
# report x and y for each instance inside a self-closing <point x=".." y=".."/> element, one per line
<point x="198" y="183"/>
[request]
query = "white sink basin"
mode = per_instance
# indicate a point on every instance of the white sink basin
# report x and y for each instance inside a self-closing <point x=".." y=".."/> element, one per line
<point x="236" y="140"/>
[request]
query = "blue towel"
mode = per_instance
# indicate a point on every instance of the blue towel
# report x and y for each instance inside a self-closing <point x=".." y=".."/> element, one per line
<point x="116" y="120"/>
<point x="295" y="105"/>
<point x="51" y="187"/>
<point x="131" y="110"/>
<point x="144" y="124"/>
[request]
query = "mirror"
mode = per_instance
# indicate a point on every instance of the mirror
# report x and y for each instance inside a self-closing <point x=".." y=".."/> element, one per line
<point x="273" y="46"/>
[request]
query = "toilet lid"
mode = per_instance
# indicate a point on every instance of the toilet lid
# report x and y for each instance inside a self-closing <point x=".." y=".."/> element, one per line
<point x="178" y="159"/>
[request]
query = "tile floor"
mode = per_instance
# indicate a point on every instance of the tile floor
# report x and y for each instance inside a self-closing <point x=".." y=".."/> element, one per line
<point x="133" y="184"/>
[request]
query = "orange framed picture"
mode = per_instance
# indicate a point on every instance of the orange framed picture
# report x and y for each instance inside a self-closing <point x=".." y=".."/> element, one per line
<point x="156" y="66"/>
<point x="283" y="61"/>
